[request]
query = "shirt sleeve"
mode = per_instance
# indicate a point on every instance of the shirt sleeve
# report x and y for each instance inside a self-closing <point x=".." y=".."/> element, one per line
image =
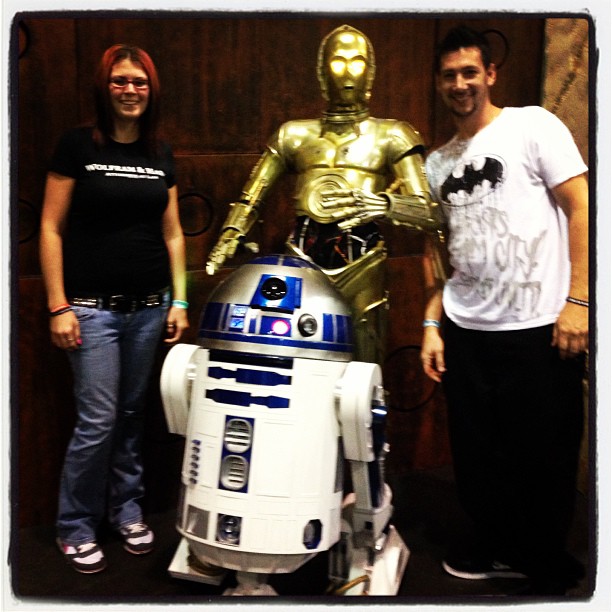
<point x="170" y="166"/>
<point x="556" y="153"/>
<point x="432" y="171"/>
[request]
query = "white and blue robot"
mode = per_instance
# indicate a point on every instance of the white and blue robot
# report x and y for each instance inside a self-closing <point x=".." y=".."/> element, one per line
<point x="272" y="406"/>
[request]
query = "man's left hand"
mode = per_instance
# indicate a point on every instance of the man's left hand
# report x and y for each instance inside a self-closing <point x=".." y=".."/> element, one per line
<point x="571" y="331"/>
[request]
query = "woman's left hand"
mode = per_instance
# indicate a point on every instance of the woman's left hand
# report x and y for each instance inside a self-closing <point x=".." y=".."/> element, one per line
<point x="176" y="323"/>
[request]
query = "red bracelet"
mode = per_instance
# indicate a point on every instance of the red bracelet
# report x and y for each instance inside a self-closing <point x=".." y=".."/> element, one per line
<point x="61" y="311"/>
<point x="57" y="308"/>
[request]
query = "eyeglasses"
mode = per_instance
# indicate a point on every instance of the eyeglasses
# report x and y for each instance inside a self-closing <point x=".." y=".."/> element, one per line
<point x="121" y="82"/>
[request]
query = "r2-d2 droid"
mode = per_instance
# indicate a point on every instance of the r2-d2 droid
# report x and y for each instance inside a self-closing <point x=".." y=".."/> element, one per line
<point x="272" y="406"/>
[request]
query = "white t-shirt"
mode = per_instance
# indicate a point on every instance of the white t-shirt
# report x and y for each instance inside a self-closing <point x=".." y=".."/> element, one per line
<point x="508" y="238"/>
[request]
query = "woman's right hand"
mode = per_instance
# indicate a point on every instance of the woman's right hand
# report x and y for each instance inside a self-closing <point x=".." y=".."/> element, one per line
<point x="66" y="331"/>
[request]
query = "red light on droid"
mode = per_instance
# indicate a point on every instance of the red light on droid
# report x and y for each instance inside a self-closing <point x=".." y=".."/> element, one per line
<point x="280" y="327"/>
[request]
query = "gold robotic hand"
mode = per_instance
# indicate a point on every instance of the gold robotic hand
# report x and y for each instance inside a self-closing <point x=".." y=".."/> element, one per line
<point x="354" y="206"/>
<point x="239" y="221"/>
<point x="416" y="211"/>
<point x="224" y="249"/>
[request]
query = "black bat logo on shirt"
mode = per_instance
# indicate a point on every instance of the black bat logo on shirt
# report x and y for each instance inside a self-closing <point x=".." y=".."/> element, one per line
<point x="492" y="171"/>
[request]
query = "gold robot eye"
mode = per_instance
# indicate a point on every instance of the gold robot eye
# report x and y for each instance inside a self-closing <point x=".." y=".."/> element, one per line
<point x="337" y="66"/>
<point x="356" y="67"/>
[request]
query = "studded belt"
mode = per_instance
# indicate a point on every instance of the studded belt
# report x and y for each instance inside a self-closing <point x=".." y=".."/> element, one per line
<point x="120" y="303"/>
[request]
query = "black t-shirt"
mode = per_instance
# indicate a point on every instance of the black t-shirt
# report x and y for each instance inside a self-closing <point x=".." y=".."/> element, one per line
<point x="113" y="243"/>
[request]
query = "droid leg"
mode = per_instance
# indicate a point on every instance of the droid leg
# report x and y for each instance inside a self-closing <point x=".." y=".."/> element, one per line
<point x="363" y="284"/>
<point x="370" y="557"/>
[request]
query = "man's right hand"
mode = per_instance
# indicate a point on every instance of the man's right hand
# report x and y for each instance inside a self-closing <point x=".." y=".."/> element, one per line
<point x="432" y="354"/>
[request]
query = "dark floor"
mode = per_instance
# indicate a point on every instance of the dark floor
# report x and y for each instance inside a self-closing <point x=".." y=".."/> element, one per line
<point x="426" y="515"/>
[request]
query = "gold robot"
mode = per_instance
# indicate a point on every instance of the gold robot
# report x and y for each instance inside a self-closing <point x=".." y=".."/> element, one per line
<point x="343" y="162"/>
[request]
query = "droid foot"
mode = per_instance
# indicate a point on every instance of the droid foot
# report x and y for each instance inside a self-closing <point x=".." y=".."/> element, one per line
<point x="185" y="565"/>
<point x="371" y="571"/>
<point x="250" y="584"/>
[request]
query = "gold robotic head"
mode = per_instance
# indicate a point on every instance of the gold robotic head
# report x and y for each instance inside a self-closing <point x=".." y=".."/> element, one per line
<point x="346" y="67"/>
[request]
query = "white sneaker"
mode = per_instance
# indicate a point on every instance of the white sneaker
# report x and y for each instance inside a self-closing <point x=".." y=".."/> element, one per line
<point x="137" y="538"/>
<point x="85" y="558"/>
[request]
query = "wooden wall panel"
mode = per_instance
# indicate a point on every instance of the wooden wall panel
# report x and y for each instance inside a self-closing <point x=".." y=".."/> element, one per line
<point x="46" y="74"/>
<point x="211" y="179"/>
<point x="228" y="82"/>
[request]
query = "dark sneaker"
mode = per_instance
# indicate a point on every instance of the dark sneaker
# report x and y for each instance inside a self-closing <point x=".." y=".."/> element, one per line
<point x="544" y="588"/>
<point x="85" y="558"/>
<point x="479" y="569"/>
<point x="557" y="577"/>
<point x="137" y="538"/>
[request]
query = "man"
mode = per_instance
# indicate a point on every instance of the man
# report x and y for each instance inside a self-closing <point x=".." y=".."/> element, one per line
<point x="342" y="161"/>
<point x="510" y="352"/>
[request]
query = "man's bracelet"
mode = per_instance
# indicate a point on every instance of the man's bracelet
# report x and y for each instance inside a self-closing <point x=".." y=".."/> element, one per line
<point x="431" y="323"/>
<point x="180" y="303"/>
<point x="572" y="300"/>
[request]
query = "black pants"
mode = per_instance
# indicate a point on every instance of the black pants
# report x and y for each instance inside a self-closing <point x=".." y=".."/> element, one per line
<point x="515" y="422"/>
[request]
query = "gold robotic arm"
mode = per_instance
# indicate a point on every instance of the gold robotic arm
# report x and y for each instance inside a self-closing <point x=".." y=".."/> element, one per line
<point x="244" y="213"/>
<point x="409" y="199"/>
<point x="410" y="204"/>
<point x="241" y="217"/>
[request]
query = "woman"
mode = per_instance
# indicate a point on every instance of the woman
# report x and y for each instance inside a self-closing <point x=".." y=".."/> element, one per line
<point x="112" y="253"/>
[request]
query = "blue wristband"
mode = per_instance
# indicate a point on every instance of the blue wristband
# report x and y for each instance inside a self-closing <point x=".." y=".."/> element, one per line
<point x="180" y="303"/>
<point x="431" y="323"/>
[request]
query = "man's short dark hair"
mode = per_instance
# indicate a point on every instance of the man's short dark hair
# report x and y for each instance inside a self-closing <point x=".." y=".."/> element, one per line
<point x="462" y="37"/>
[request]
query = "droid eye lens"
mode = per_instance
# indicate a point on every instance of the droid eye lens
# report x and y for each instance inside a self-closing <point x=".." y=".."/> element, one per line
<point x="307" y="325"/>
<point x="274" y="288"/>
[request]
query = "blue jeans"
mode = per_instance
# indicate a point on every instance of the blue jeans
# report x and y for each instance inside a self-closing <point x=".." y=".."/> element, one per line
<point x="103" y="464"/>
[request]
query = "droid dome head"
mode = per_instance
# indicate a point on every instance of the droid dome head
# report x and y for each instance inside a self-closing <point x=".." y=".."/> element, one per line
<point x="278" y="305"/>
<point x="346" y="68"/>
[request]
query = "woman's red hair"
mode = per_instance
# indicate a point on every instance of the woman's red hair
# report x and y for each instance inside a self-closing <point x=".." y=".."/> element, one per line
<point x="149" y="121"/>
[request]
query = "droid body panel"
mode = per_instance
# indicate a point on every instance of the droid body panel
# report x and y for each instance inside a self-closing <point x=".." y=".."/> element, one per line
<point x="271" y="405"/>
<point x="262" y="483"/>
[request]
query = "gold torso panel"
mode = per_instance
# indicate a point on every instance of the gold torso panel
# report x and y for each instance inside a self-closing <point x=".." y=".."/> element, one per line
<point x="352" y="156"/>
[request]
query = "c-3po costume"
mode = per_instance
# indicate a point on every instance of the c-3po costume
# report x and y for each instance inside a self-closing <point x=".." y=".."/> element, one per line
<point x="344" y="162"/>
